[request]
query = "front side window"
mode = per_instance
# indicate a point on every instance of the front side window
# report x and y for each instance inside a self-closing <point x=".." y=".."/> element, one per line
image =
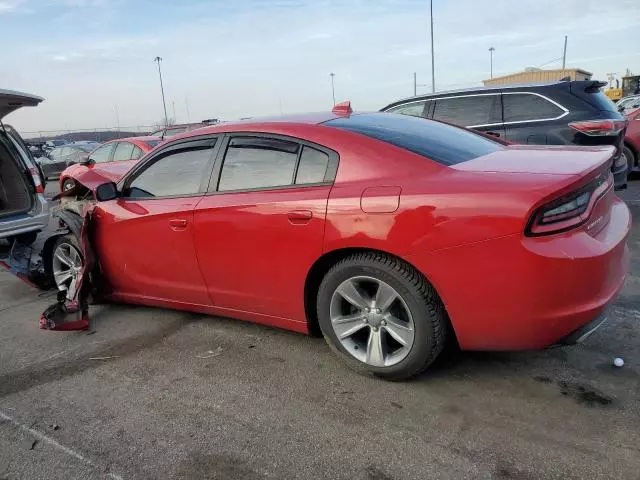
<point x="465" y="111"/>
<point x="253" y="162"/>
<point x="176" y="174"/>
<point x="522" y="107"/>
<point x="123" y="152"/>
<point x="102" y="154"/>
<point x="415" y="109"/>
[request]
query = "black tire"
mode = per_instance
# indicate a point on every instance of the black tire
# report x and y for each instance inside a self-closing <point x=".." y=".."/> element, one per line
<point x="68" y="184"/>
<point x="631" y="158"/>
<point x="427" y="310"/>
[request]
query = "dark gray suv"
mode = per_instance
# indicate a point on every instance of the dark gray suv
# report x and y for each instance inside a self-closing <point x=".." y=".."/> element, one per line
<point x="23" y="207"/>
<point x="558" y="113"/>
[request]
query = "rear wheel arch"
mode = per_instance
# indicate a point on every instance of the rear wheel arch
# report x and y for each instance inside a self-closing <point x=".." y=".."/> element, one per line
<point x="322" y="266"/>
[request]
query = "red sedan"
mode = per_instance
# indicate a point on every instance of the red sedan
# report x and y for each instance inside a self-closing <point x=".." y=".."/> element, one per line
<point x="109" y="162"/>
<point x="632" y="140"/>
<point x="385" y="232"/>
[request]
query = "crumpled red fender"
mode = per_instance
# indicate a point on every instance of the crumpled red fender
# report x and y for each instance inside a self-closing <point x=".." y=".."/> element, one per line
<point x="73" y="313"/>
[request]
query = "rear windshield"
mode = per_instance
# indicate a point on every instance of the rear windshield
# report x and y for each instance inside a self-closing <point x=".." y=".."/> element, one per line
<point x="437" y="141"/>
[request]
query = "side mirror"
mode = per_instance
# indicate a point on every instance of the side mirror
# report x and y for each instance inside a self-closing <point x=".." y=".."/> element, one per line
<point x="87" y="161"/>
<point x="106" y="192"/>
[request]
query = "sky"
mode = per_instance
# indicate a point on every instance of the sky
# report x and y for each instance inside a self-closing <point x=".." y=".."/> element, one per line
<point x="92" y="60"/>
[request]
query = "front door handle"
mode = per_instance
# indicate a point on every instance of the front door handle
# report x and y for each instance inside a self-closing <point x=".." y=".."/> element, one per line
<point x="178" y="224"/>
<point x="300" y="217"/>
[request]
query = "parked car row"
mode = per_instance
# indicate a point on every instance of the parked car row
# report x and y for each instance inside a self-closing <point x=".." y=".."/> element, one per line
<point x="557" y="113"/>
<point x="387" y="233"/>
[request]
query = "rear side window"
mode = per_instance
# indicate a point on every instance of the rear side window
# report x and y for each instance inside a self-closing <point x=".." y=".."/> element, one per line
<point x="313" y="166"/>
<point x="415" y="109"/>
<point x="465" y="111"/>
<point x="442" y="143"/>
<point x="522" y="107"/>
<point x="124" y="151"/>
<point x="253" y="162"/>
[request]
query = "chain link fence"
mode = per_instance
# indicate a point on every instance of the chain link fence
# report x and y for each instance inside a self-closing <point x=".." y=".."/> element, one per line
<point x="88" y="134"/>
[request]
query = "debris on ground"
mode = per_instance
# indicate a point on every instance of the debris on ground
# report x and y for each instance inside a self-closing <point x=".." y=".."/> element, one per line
<point x="211" y="353"/>
<point x="104" y="358"/>
<point x="618" y="362"/>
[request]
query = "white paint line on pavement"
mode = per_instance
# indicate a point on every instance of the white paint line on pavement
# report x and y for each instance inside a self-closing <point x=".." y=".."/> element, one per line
<point x="46" y="439"/>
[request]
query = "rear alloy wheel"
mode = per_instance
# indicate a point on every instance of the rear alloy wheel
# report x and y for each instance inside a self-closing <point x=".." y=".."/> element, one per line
<point x="66" y="264"/>
<point x="631" y="158"/>
<point x="381" y="315"/>
<point x="68" y="184"/>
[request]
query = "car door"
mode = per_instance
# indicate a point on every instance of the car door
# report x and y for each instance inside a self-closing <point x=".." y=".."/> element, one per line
<point x="481" y="111"/>
<point x="261" y="228"/>
<point x="529" y="117"/>
<point x="144" y="238"/>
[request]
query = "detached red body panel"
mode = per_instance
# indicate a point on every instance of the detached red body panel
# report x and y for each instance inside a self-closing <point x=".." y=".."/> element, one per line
<point x="249" y="254"/>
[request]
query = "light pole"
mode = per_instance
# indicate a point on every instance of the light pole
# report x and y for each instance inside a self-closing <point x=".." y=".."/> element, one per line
<point x="164" y="105"/>
<point x="433" y="68"/>
<point x="333" y="88"/>
<point x="491" y="50"/>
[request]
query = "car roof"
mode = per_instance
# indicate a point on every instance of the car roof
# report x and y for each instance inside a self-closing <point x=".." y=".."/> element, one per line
<point x="297" y="119"/>
<point x="488" y="89"/>
<point x="11" y="100"/>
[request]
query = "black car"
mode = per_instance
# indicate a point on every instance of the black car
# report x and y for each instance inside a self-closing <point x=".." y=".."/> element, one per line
<point x="61" y="157"/>
<point x="558" y="113"/>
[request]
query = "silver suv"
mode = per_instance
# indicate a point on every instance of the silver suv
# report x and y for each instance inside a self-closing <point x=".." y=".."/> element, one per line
<point x="23" y="207"/>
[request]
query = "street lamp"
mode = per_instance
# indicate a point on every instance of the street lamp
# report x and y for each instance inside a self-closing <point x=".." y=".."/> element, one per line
<point x="433" y="68"/>
<point x="164" y="105"/>
<point x="491" y="50"/>
<point x="333" y="88"/>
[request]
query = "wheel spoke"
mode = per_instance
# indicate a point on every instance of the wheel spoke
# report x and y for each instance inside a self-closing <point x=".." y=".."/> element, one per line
<point x="61" y="277"/>
<point x="347" y="325"/>
<point x="350" y="293"/>
<point x="400" y="331"/>
<point x="71" y="292"/>
<point x="64" y="258"/>
<point x="384" y="296"/>
<point x="375" y="355"/>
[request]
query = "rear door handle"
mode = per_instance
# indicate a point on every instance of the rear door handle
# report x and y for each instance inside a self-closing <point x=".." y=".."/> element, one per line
<point x="299" y="217"/>
<point x="177" y="224"/>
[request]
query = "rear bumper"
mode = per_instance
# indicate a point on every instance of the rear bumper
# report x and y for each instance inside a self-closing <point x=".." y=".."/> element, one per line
<point x="581" y="334"/>
<point x="521" y="293"/>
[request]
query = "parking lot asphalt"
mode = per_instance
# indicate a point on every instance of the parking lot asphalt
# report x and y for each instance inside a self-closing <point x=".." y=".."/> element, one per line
<point x="152" y="393"/>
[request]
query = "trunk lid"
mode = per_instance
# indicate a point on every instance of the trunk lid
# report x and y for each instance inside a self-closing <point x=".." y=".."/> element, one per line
<point x="10" y="100"/>
<point x="548" y="160"/>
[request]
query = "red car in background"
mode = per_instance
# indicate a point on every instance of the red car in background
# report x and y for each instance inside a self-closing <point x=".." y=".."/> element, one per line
<point x="632" y="140"/>
<point x="386" y="232"/>
<point x="109" y="162"/>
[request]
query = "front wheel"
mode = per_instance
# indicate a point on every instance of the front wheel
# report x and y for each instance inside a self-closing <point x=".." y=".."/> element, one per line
<point x="381" y="315"/>
<point x="66" y="264"/>
<point x="68" y="184"/>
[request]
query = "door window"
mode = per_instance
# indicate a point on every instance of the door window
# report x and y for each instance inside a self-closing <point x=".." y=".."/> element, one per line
<point x="102" y="154"/>
<point x="522" y="107"/>
<point x="415" y="109"/>
<point x="254" y="162"/>
<point x="465" y="111"/>
<point x="55" y="153"/>
<point x="176" y="174"/>
<point x="313" y="166"/>
<point x="123" y="152"/>
<point x="137" y="153"/>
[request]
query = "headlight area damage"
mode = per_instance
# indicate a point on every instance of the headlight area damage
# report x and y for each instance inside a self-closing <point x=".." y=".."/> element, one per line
<point x="71" y="310"/>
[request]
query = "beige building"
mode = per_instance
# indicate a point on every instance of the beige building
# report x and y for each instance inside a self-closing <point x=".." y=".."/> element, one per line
<point x="537" y="75"/>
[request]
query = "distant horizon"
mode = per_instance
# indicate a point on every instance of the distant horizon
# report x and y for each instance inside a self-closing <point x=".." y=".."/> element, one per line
<point x="92" y="60"/>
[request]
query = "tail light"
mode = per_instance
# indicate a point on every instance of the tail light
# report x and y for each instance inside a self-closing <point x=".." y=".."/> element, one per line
<point x="35" y="175"/>
<point x="599" y="128"/>
<point x="569" y="211"/>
